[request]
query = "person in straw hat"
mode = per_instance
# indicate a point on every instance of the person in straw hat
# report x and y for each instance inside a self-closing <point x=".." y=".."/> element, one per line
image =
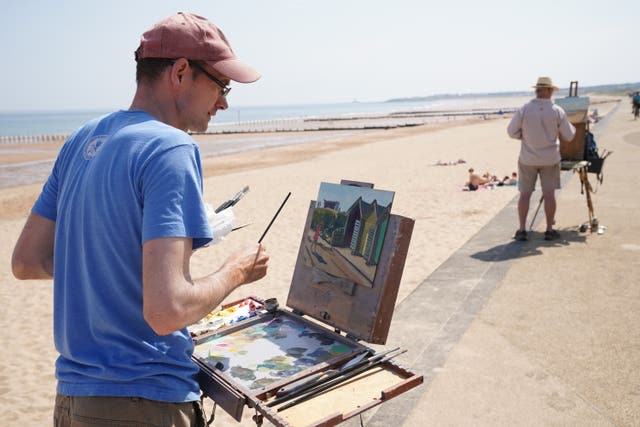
<point x="115" y="226"/>
<point x="537" y="125"/>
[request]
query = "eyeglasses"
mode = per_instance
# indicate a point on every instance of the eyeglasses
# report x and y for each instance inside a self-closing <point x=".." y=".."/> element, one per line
<point x="223" y="87"/>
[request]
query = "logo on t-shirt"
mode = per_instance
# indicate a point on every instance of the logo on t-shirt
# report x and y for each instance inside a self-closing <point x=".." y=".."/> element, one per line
<point x="92" y="147"/>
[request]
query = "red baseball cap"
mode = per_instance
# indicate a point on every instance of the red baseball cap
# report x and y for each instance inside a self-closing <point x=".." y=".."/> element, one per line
<point x="190" y="36"/>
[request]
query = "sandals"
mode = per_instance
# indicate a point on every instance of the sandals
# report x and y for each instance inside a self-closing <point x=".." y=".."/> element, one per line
<point x="551" y="235"/>
<point x="521" y="236"/>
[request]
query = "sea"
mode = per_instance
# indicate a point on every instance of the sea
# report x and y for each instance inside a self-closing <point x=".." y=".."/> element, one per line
<point x="32" y="126"/>
<point x="29" y="123"/>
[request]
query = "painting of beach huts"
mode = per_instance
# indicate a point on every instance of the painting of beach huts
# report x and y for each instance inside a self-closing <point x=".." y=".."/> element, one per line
<point x="346" y="235"/>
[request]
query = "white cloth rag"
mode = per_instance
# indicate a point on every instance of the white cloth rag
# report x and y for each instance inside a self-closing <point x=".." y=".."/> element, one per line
<point x="221" y="223"/>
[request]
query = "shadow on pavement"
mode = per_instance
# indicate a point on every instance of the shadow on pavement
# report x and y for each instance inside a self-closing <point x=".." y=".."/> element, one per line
<point x="531" y="247"/>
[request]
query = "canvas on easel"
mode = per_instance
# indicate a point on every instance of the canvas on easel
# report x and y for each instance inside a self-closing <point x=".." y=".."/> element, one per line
<point x="347" y="230"/>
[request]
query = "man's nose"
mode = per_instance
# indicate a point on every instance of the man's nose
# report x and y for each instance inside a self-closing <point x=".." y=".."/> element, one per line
<point x="221" y="103"/>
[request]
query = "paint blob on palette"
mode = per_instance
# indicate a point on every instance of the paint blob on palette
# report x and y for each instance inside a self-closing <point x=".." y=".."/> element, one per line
<point x="235" y="313"/>
<point x="269" y="351"/>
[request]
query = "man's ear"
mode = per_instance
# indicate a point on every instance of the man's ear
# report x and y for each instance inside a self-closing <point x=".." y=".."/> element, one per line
<point x="178" y="70"/>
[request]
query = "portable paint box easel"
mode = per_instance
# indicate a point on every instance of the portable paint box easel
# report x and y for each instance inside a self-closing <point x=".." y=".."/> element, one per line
<point x="305" y="364"/>
<point x="575" y="153"/>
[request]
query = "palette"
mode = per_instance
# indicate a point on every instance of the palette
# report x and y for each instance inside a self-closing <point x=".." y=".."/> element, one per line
<point x="269" y="350"/>
<point x="316" y="339"/>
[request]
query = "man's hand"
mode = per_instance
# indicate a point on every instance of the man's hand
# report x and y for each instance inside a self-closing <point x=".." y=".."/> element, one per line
<point x="250" y="262"/>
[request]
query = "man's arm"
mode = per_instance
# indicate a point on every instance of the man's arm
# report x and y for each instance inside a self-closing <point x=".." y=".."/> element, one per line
<point x="515" y="125"/>
<point x="33" y="254"/>
<point x="565" y="128"/>
<point x="173" y="300"/>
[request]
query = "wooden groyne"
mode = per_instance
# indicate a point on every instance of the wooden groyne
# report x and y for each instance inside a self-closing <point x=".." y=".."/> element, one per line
<point x="33" y="139"/>
<point x="353" y="122"/>
<point x="331" y="123"/>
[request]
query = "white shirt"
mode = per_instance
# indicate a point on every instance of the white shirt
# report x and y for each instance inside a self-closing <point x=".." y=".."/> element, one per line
<point x="537" y="125"/>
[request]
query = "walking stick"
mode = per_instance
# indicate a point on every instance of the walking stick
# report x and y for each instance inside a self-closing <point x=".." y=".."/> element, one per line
<point x="536" y="214"/>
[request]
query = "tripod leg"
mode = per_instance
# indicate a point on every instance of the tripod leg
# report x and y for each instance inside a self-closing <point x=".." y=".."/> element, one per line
<point x="536" y="214"/>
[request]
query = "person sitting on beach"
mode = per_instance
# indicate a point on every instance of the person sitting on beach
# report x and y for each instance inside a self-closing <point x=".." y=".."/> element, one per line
<point x="509" y="180"/>
<point x="123" y="290"/>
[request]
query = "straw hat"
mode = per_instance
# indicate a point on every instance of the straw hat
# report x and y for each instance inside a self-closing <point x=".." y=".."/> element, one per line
<point x="546" y="83"/>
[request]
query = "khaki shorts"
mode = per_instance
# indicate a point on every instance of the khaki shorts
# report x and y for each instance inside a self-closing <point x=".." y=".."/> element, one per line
<point x="549" y="177"/>
<point x="85" y="411"/>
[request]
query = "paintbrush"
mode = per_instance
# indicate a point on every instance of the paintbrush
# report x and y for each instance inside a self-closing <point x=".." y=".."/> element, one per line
<point x="240" y="226"/>
<point x="340" y="379"/>
<point x="274" y="217"/>
<point x="347" y="368"/>
<point x="232" y="201"/>
<point x="302" y="384"/>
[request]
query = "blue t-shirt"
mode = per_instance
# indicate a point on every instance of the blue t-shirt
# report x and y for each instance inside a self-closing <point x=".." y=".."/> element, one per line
<point x="118" y="182"/>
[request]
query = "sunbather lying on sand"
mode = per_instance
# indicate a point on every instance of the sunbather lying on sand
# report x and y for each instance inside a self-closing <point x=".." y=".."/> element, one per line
<point x="475" y="180"/>
<point x="457" y="162"/>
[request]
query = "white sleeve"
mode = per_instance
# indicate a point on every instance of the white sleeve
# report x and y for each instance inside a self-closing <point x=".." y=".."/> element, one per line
<point x="515" y="125"/>
<point x="566" y="129"/>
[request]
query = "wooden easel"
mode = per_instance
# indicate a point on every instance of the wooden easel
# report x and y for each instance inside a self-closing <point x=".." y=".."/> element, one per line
<point x="586" y="186"/>
<point x="574" y="152"/>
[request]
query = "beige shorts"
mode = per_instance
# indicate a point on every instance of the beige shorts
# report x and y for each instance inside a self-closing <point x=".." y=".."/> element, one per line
<point x="549" y="177"/>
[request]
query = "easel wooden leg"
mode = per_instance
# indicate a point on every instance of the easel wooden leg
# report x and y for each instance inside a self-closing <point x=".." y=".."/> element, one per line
<point x="593" y="221"/>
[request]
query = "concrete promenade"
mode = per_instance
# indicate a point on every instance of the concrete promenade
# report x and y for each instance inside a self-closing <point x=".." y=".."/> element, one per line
<point x="534" y="333"/>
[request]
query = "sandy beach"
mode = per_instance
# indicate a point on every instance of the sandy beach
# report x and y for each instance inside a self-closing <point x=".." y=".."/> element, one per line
<point x="401" y="160"/>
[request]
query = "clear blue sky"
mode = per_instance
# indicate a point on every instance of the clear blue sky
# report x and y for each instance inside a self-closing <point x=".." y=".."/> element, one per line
<point x="78" y="54"/>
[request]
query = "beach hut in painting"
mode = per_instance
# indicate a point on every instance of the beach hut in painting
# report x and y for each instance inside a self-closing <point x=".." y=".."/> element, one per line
<point x="364" y="229"/>
<point x="375" y="226"/>
<point x="354" y="217"/>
